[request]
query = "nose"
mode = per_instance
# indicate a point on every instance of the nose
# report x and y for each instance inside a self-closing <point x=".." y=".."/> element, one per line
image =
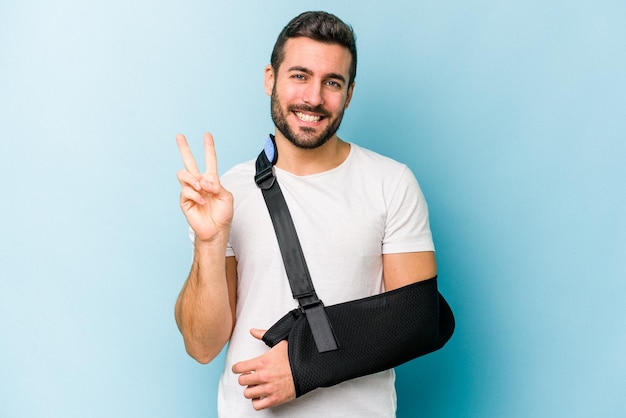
<point x="312" y="94"/>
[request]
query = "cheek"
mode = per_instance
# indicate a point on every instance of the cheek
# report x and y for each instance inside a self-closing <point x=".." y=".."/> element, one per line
<point x="336" y="103"/>
<point x="288" y="94"/>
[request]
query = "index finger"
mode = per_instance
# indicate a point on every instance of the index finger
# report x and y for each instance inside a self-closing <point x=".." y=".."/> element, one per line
<point x="185" y="152"/>
<point x="210" y="157"/>
<point x="246" y="366"/>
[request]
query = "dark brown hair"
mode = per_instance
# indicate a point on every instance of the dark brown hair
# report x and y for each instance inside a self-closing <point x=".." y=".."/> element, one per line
<point x="320" y="26"/>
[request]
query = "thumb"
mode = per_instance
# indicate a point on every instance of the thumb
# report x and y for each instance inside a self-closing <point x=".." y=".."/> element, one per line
<point x="258" y="333"/>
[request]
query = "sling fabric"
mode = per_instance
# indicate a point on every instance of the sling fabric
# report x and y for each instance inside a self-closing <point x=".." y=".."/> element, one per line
<point x="377" y="333"/>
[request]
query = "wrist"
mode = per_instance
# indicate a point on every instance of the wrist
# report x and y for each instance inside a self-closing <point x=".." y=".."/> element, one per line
<point x="218" y="241"/>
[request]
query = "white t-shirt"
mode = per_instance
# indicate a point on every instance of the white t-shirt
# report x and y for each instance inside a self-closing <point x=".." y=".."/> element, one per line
<point x="346" y="219"/>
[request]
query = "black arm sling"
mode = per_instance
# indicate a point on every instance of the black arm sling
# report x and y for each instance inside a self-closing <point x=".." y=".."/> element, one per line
<point x="329" y="345"/>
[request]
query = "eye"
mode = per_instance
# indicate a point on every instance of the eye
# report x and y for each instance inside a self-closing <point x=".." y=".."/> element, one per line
<point x="298" y="76"/>
<point x="334" y="84"/>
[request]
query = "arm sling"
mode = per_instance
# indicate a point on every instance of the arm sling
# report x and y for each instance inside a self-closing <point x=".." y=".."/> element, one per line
<point x="329" y="345"/>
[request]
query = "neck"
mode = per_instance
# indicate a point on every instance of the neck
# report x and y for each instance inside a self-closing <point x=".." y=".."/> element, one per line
<point x="303" y="162"/>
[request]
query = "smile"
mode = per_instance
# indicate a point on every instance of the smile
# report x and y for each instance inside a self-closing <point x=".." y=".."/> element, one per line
<point x="307" y="118"/>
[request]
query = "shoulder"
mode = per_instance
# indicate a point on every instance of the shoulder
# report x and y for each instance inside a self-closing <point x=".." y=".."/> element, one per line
<point x="366" y="156"/>
<point x="240" y="175"/>
<point x="239" y="180"/>
<point x="378" y="167"/>
<point x="394" y="179"/>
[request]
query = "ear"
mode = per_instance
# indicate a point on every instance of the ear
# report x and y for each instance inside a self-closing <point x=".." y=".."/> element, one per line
<point x="349" y="95"/>
<point x="269" y="79"/>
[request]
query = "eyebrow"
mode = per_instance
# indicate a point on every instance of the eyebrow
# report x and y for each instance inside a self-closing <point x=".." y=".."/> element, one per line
<point x="309" y="72"/>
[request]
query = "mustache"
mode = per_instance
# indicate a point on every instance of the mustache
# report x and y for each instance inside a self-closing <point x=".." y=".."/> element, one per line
<point x="306" y="108"/>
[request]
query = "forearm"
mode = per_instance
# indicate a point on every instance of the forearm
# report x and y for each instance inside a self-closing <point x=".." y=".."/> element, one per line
<point x="203" y="312"/>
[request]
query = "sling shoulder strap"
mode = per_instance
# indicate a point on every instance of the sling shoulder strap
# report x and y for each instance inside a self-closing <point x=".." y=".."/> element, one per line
<point x="295" y="264"/>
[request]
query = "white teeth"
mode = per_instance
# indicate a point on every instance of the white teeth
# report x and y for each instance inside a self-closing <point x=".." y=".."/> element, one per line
<point x="308" y="118"/>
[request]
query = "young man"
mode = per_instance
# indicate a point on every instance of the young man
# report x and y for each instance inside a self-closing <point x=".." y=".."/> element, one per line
<point x="361" y="219"/>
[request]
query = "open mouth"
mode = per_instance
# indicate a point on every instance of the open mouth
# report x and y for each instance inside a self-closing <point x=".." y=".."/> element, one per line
<point x="307" y="117"/>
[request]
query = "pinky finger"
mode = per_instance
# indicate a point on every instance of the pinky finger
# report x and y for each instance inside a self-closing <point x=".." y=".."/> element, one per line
<point x="261" y="403"/>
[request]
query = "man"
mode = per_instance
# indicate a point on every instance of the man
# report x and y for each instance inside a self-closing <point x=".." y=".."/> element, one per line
<point x="361" y="219"/>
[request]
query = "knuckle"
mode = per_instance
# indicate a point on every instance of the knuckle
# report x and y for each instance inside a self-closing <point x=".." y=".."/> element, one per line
<point x="263" y="376"/>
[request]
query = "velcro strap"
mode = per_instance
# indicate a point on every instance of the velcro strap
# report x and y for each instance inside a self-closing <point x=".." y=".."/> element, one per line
<point x="323" y="334"/>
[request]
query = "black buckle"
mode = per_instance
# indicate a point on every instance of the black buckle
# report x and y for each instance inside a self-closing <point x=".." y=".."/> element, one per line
<point x="265" y="178"/>
<point x="310" y="304"/>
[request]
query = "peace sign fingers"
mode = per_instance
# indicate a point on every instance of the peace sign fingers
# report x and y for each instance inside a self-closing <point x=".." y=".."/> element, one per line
<point x="210" y="159"/>
<point x="185" y="152"/>
<point x="207" y="205"/>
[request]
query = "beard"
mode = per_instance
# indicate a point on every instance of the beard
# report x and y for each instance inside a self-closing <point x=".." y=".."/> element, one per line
<point x="305" y="138"/>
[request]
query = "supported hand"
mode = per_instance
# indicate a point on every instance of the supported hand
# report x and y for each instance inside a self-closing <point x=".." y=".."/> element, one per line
<point x="268" y="377"/>
<point x="207" y="205"/>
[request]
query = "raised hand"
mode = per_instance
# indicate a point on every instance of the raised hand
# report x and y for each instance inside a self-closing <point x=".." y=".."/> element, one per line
<point x="207" y="205"/>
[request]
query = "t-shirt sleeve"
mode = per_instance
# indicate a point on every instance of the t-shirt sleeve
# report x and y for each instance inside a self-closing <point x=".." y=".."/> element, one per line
<point x="192" y="238"/>
<point x="407" y="228"/>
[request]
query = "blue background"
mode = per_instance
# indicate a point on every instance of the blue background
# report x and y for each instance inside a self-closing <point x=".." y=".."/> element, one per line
<point x="511" y="114"/>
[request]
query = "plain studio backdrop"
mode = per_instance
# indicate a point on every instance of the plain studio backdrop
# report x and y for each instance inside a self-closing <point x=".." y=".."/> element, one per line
<point x="510" y="113"/>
